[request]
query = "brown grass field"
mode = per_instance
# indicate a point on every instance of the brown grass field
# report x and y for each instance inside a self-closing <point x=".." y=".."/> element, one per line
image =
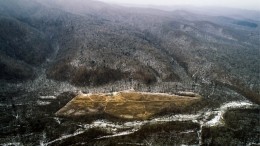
<point x="126" y="104"/>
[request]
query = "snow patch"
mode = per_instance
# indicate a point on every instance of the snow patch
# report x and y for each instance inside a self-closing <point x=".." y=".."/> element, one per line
<point x="65" y="137"/>
<point x="215" y="121"/>
<point x="57" y="120"/>
<point x="42" y="103"/>
<point x="47" y="97"/>
<point x="11" y="144"/>
<point x="218" y="119"/>
<point x="120" y="134"/>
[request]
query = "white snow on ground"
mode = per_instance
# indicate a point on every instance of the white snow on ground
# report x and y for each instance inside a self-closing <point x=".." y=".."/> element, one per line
<point x="5" y="105"/>
<point x="119" y="129"/>
<point x="179" y="117"/>
<point x="218" y="119"/>
<point x="187" y="131"/>
<point x="129" y="143"/>
<point x="9" y="105"/>
<point x="57" y="120"/>
<point x="47" y="97"/>
<point x="39" y="102"/>
<point x="236" y="104"/>
<point x="11" y="144"/>
<point x="65" y="137"/>
<point x="120" y="134"/>
<point x="250" y="144"/>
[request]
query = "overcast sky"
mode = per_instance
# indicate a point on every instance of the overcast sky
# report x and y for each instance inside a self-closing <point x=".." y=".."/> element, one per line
<point x="243" y="4"/>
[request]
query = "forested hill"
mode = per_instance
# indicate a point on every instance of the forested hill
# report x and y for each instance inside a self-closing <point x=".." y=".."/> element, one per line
<point x="92" y="44"/>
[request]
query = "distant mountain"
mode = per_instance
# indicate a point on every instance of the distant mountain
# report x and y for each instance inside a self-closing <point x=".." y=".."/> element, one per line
<point x="91" y="43"/>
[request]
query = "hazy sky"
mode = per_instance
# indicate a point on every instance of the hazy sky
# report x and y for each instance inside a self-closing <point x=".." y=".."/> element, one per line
<point x="243" y="4"/>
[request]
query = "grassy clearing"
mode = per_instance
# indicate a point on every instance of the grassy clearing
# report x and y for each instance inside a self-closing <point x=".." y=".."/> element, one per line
<point x="126" y="104"/>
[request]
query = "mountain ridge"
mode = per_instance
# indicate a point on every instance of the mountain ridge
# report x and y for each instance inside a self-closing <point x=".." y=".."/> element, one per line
<point x="103" y="43"/>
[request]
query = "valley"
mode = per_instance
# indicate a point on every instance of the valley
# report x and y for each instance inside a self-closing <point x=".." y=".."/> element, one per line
<point x="94" y="73"/>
